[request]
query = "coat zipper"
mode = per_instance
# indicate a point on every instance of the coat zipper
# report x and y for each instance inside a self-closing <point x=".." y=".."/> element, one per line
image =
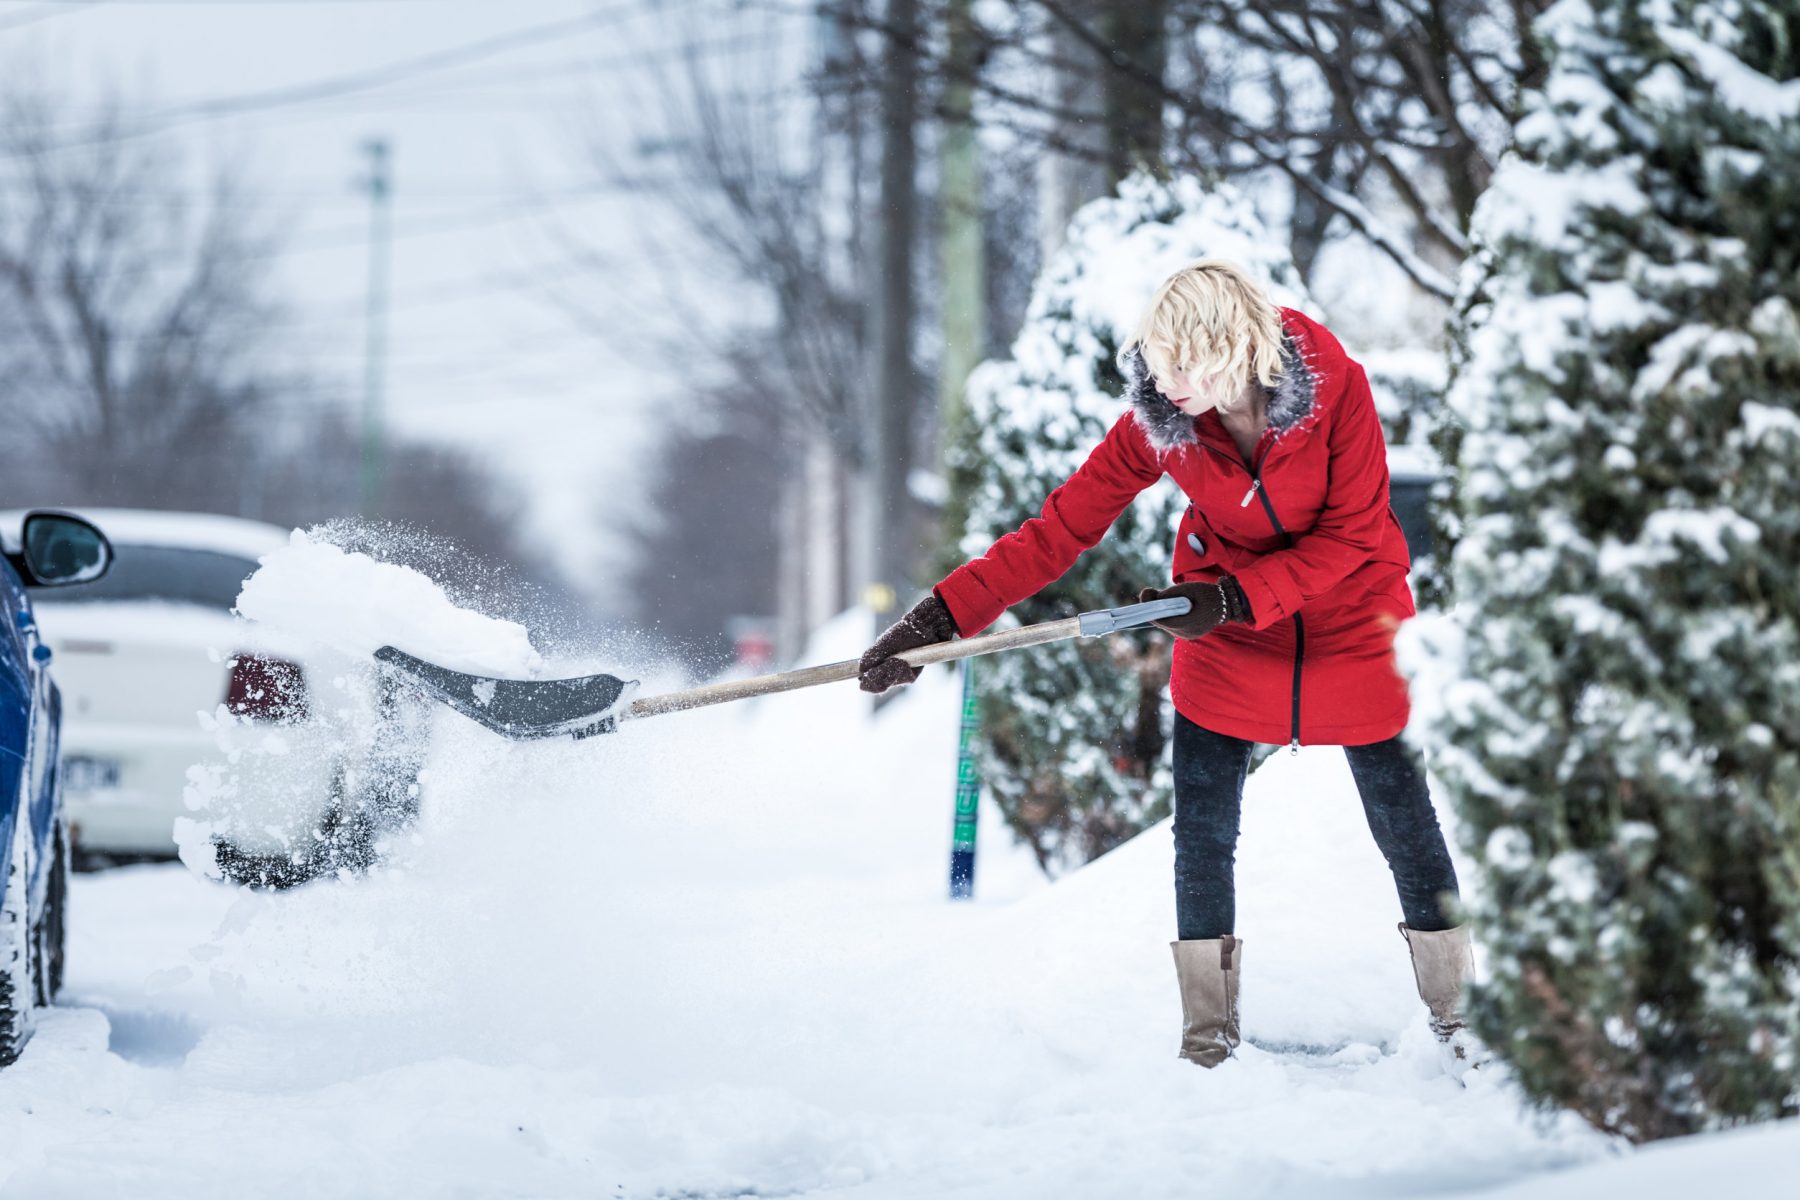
<point x="1257" y="490"/>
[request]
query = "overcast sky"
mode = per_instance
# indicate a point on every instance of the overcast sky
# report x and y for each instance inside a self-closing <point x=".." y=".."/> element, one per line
<point x="486" y="167"/>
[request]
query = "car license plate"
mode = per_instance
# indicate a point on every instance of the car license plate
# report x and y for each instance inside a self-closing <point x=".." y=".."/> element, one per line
<point x="82" y="773"/>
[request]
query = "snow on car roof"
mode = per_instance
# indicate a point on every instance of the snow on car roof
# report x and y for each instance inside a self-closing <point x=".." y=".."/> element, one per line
<point x="149" y="527"/>
<point x="1413" y="461"/>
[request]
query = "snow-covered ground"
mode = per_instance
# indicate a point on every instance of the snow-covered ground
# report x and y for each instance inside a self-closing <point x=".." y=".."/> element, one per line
<point x="711" y="956"/>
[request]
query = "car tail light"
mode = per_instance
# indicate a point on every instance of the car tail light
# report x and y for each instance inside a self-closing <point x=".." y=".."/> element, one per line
<point x="267" y="689"/>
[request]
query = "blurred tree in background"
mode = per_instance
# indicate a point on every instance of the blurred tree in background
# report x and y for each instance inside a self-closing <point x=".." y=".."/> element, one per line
<point x="744" y="195"/>
<point x="1619" y="725"/>
<point x="704" y="543"/>
<point x="132" y="319"/>
<point x="139" y="322"/>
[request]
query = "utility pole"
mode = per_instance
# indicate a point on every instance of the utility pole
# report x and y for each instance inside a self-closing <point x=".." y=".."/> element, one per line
<point x="1069" y="178"/>
<point x="960" y="249"/>
<point x="379" y="184"/>
<point x="1134" y="111"/>
<point x="893" y="389"/>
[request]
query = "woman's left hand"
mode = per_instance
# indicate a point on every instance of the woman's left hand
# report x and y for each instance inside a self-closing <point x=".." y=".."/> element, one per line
<point x="1214" y="604"/>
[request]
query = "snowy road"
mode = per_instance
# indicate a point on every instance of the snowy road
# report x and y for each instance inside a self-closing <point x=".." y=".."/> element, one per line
<point x="694" y="960"/>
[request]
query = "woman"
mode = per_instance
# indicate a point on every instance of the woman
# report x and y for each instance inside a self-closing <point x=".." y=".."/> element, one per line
<point x="1296" y="567"/>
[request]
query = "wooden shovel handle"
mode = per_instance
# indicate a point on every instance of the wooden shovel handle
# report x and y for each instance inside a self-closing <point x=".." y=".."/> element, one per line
<point x="787" y="681"/>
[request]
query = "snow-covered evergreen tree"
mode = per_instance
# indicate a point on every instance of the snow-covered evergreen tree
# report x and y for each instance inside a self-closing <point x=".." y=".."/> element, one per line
<point x="1619" y="726"/>
<point x="1076" y="734"/>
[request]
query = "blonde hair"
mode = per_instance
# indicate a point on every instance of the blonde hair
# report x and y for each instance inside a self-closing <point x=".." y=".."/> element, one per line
<point x="1213" y="319"/>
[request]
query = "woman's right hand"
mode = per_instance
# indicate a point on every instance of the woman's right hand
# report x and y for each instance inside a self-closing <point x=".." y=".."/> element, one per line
<point x="1214" y="604"/>
<point x="927" y="623"/>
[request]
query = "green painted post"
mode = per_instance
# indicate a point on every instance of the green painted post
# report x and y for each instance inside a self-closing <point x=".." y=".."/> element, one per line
<point x="968" y="791"/>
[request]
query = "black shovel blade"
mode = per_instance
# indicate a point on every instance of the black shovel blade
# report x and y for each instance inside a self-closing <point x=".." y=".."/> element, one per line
<point x="522" y="709"/>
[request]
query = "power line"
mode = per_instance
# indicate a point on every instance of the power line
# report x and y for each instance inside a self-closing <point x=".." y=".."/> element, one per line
<point x="676" y="52"/>
<point x="426" y="295"/>
<point x="344" y="237"/>
<point x="46" y="11"/>
<point x="438" y="348"/>
<point x="575" y="68"/>
<point x="356" y="81"/>
<point x="232" y="3"/>
<point x="331" y="239"/>
<point x="471" y="287"/>
<point x="446" y="189"/>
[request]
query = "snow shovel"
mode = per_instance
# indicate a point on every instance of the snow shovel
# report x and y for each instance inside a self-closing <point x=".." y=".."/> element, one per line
<point x="580" y="707"/>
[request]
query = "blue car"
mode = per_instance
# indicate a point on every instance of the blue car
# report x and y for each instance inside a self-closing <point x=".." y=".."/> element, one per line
<point x="53" y="549"/>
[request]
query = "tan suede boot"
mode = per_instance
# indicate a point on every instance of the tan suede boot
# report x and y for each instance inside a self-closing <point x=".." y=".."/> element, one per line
<point x="1207" y="971"/>
<point x="1443" y="963"/>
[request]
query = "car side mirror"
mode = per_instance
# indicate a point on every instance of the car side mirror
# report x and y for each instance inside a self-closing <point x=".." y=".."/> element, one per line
<point x="59" y="549"/>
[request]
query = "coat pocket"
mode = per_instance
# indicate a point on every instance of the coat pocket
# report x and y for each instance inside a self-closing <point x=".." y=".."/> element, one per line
<point x="1199" y="554"/>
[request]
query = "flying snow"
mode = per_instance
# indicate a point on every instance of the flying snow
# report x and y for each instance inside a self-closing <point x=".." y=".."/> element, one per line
<point x="350" y="601"/>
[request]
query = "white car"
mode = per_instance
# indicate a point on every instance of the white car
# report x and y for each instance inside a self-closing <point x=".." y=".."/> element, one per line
<point x="316" y="756"/>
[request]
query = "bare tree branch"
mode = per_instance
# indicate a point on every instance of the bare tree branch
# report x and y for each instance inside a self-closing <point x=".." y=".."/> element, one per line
<point x="1417" y="88"/>
<point x="132" y="331"/>
<point x="735" y="185"/>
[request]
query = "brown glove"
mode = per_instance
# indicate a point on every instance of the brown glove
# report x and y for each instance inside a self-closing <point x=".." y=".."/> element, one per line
<point x="928" y="622"/>
<point x="1214" y="604"/>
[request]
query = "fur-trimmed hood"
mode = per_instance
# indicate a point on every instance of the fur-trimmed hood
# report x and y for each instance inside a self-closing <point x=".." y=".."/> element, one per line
<point x="1290" y="402"/>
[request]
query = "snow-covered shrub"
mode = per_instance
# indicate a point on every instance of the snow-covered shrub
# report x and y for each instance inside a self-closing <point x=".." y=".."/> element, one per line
<point x="1076" y="732"/>
<point x="1619" y="725"/>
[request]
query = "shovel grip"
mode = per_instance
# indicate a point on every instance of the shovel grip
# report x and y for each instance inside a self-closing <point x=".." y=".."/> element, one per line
<point x="1129" y="616"/>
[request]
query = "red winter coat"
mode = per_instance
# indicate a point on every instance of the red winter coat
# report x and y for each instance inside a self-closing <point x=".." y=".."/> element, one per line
<point x="1305" y="527"/>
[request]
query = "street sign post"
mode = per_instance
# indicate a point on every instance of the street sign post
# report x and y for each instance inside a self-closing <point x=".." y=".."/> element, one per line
<point x="968" y="791"/>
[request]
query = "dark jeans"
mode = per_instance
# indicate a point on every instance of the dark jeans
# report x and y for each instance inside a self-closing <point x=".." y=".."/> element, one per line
<point x="1209" y="793"/>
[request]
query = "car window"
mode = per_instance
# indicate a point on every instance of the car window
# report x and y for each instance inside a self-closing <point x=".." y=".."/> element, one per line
<point x="167" y="573"/>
